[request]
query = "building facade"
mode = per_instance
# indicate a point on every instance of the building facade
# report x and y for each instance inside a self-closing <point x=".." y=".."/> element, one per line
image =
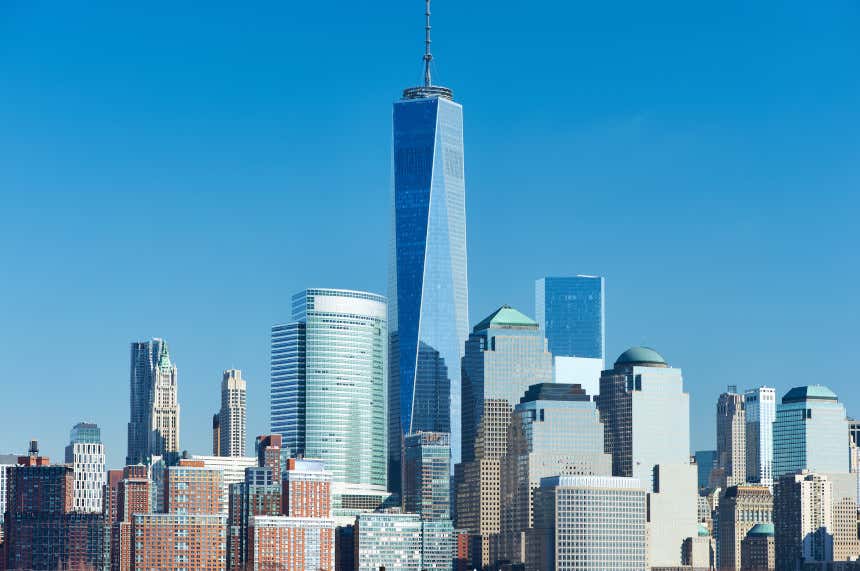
<point x="428" y="311"/>
<point x="731" y="438"/>
<point x="291" y="544"/>
<point x="153" y="428"/>
<point x="760" y="413"/>
<point x="86" y="454"/>
<point x="177" y="542"/>
<point x="505" y="354"/>
<point x="706" y="461"/>
<point x="341" y="376"/>
<point x="427" y="475"/>
<point x="571" y="312"/>
<point x="810" y="433"/>
<point x="741" y="508"/>
<point x="758" y="549"/>
<point x="387" y="540"/>
<point x="232" y="470"/>
<point x="191" y="488"/>
<point x="803" y="520"/>
<point x="232" y="418"/>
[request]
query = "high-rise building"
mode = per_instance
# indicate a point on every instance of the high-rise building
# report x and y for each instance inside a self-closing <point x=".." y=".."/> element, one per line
<point x="216" y="434"/>
<point x="271" y="452"/>
<point x="697" y="553"/>
<point x="86" y="454"/>
<point x="706" y="461"/>
<point x="6" y="461"/>
<point x="390" y="541"/>
<point x="438" y="540"/>
<point x="179" y="542"/>
<point x="646" y="419"/>
<point x="757" y="549"/>
<point x="741" y="508"/>
<point x="132" y="497"/>
<point x="291" y="543"/>
<point x="589" y="522"/>
<point x="810" y="433"/>
<point x="731" y="438"/>
<point x="555" y="430"/>
<point x="505" y="354"/>
<point x="803" y="519"/>
<point x="428" y="313"/>
<point x="341" y="375"/>
<point x="760" y="412"/>
<point x="427" y="475"/>
<point x="307" y="489"/>
<point x="41" y="529"/>
<point x="192" y="488"/>
<point x="153" y="428"/>
<point x="571" y="312"/>
<point x="232" y="470"/>
<point x="258" y="495"/>
<point x="231" y="417"/>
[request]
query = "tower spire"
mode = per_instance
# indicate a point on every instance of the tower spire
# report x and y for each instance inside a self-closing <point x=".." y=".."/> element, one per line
<point x="428" y="57"/>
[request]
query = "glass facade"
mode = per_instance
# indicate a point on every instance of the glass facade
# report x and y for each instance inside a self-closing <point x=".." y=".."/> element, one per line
<point x="153" y="428"/>
<point x="428" y="311"/>
<point x="760" y="406"/>
<point x="329" y="384"/>
<point x="427" y="475"/>
<point x="571" y="312"/>
<point x="810" y="433"/>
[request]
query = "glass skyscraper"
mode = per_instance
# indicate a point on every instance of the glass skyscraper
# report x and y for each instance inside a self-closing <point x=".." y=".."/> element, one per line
<point x="328" y="389"/>
<point x="428" y="298"/>
<point x="153" y="428"/>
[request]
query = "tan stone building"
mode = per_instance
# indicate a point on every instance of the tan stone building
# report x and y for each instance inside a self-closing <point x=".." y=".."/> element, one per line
<point x="740" y="509"/>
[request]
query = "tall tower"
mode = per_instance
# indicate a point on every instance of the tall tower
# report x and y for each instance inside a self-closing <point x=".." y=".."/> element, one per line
<point x="428" y="311"/>
<point x="86" y="454"/>
<point x="153" y="427"/>
<point x="760" y="412"/>
<point x="731" y="438"/>
<point x="231" y="419"/>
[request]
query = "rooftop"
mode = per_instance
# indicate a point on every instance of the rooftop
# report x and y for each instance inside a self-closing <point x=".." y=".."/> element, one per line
<point x="641" y="356"/>
<point x="809" y="392"/>
<point x="556" y="392"/>
<point x="506" y="316"/>
<point x="761" y="529"/>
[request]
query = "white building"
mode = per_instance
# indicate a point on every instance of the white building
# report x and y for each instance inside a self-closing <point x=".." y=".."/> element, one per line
<point x="760" y="408"/>
<point x="86" y="454"/>
<point x="232" y="417"/>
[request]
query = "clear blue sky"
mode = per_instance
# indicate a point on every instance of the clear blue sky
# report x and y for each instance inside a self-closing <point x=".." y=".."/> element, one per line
<point x="179" y="169"/>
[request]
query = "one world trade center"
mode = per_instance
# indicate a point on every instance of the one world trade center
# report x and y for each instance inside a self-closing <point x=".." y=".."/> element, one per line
<point x="428" y="299"/>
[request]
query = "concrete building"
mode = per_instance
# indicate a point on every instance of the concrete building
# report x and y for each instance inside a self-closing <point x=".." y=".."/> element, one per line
<point x="555" y="430"/>
<point x="731" y="438"/>
<point x="86" y="454"/>
<point x="427" y="475"/>
<point x="741" y="508"/>
<point x="505" y="354"/>
<point x="699" y="552"/>
<point x="803" y="520"/>
<point x="387" y="540"/>
<point x="760" y="412"/>
<point x="232" y="418"/>
<point x="757" y="549"/>
<point x="589" y="522"/>
<point x="810" y="433"/>
<point x="646" y="418"/>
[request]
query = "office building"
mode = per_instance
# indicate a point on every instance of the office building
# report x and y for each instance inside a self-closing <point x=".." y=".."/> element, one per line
<point x="86" y="454"/>
<point x="731" y="438"/>
<point x="231" y="417"/>
<point x="342" y="377"/>
<point x="232" y="469"/>
<point x="758" y="549"/>
<point x="291" y="543"/>
<point x="589" y="522"/>
<point x="555" y="430"/>
<point x="438" y="545"/>
<point x="572" y="314"/>
<point x="427" y="475"/>
<point x="179" y="542"/>
<point x="706" y="461"/>
<point x="153" y="428"/>
<point x="646" y="418"/>
<point x="428" y="313"/>
<point x="803" y="519"/>
<point x="387" y="540"/>
<point x="741" y="508"/>
<point x="760" y="414"/>
<point x="810" y="433"/>
<point x="505" y="354"/>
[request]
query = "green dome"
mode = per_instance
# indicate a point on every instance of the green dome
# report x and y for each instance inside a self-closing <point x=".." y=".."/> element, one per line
<point x="703" y="531"/>
<point x="761" y="529"/>
<point x="641" y="355"/>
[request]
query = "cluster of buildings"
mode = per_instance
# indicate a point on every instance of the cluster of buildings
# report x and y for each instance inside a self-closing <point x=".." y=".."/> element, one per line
<point x="401" y="438"/>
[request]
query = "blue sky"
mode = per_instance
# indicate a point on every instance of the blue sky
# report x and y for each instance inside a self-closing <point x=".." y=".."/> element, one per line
<point x="180" y="169"/>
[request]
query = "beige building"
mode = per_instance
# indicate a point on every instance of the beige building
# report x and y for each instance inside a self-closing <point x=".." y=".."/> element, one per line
<point x="231" y="418"/>
<point x="731" y="438"/>
<point x="803" y="517"/>
<point x="757" y="549"/>
<point x="740" y="509"/>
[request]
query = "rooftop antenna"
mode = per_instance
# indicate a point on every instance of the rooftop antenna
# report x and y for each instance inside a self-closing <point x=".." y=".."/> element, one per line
<point x="428" y="57"/>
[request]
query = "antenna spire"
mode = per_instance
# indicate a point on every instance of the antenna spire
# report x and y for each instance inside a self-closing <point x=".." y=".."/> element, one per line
<point x="428" y="57"/>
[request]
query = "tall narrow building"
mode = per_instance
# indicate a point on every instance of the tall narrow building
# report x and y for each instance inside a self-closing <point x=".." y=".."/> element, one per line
<point x="86" y="454"/>
<point x="731" y="438"/>
<point x="760" y="412"/>
<point x="333" y="360"/>
<point x="231" y="418"/>
<point x="153" y="428"/>
<point x="428" y="313"/>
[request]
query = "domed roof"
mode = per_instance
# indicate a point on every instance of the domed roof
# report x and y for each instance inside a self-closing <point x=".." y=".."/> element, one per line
<point x="761" y="529"/>
<point x="703" y="531"/>
<point x="641" y="356"/>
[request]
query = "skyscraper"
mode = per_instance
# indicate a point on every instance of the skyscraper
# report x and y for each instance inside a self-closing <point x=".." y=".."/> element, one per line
<point x="427" y="475"/>
<point x="571" y="312"/>
<point x="428" y="313"/>
<point x="741" y="507"/>
<point x="505" y="354"/>
<point x="86" y="454"/>
<point x="153" y="428"/>
<point x="810" y="433"/>
<point x="731" y="438"/>
<point x="760" y="412"/>
<point x="329" y="400"/>
<point x="231" y="418"/>
<point x="803" y="519"/>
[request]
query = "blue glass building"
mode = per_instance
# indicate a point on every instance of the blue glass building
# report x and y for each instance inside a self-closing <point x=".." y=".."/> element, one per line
<point x="571" y="312"/>
<point x="428" y="298"/>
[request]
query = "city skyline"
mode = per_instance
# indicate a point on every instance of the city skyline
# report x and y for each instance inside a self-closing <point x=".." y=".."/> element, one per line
<point x="77" y="238"/>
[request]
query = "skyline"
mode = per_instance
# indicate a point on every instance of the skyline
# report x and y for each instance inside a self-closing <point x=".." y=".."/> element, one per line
<point x="80" y="264"/>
